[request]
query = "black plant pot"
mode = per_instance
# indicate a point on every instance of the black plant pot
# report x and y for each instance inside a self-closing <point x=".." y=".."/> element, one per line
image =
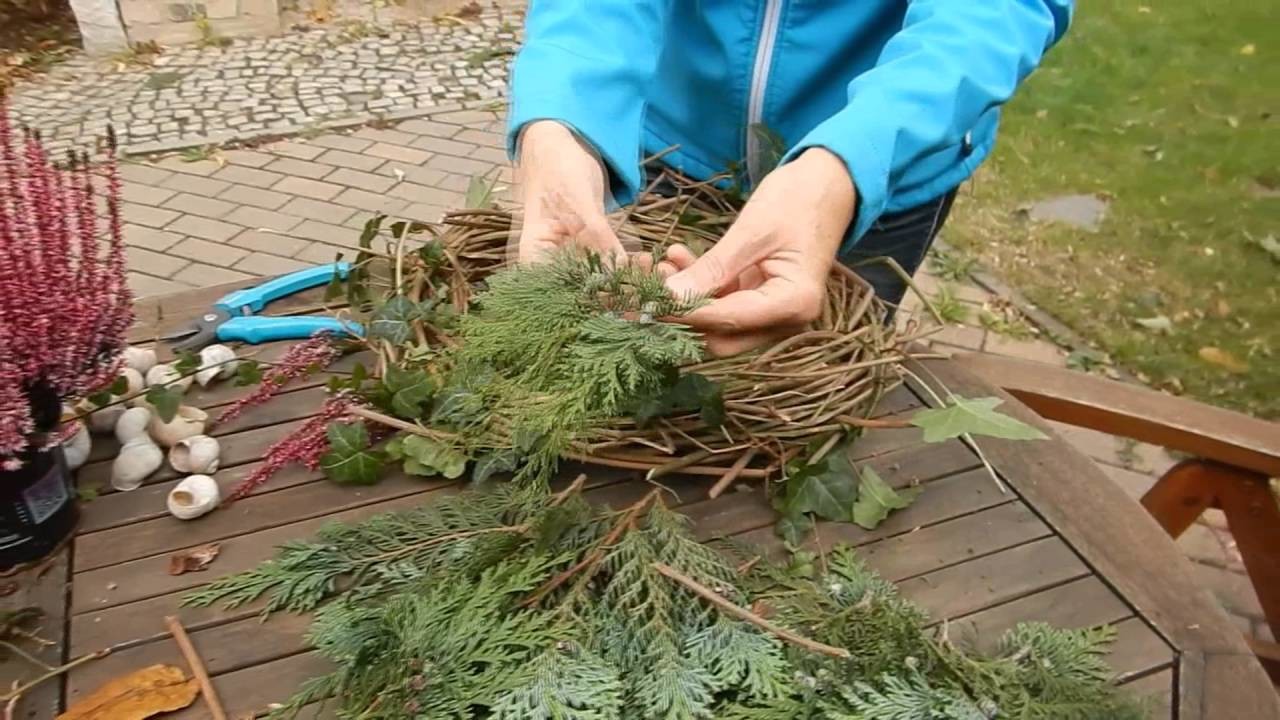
<point x="38" y="508"/>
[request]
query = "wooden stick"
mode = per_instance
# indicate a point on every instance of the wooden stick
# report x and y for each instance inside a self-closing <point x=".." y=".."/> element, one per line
<point x="738" y="466"/>
<point x="197" y="667"/>
<point x="745" y="615"/>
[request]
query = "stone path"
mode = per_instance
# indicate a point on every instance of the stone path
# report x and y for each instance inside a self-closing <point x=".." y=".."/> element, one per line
<point x="300" y="81"/>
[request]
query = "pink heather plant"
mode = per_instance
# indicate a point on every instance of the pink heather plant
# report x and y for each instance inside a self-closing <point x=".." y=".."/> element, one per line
<point x="305" y="446"/>
<point x="304" y="358"/>
<point x="64" y="302"/>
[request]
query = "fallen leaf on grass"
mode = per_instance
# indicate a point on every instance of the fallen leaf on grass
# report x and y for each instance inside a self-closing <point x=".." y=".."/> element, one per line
<point x="1159" y="323"/>
<point x="1223" y="359"/>
<point x="193" y="560"/>
<point x="1270" y="245"/>
<point x="138" y="695"/>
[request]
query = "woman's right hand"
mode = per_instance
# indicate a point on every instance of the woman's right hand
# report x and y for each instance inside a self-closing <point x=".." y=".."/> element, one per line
<point x="562" y="186"/>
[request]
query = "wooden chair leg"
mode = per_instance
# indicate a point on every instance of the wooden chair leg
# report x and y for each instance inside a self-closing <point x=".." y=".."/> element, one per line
<point x="1253" y="515"/>
<point x="1181" y="495"/>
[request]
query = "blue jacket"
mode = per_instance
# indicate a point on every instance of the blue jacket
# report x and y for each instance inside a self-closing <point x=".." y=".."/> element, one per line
<point x="905" y="92"/>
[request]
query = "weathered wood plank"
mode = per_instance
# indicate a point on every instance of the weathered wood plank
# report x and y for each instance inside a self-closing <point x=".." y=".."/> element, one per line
<point x="1157" y="689"/>
<point x="43" y="587"/>
<point x="1086" y="602"/>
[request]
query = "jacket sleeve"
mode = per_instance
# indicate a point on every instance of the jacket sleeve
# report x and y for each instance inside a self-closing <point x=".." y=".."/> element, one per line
<point x="952" y="61"/>
<point x="588" y="64"/>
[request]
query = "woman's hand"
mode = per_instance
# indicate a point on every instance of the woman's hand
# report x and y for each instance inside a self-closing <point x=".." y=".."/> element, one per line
<point x="768" y="274"/>
<point x="562" y="186"/>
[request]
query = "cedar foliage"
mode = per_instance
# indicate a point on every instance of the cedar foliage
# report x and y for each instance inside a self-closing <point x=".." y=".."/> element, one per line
<point x="518" y="603"/>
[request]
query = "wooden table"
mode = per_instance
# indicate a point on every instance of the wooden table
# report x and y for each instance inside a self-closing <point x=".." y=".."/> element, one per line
<point x="1064" y="545"/>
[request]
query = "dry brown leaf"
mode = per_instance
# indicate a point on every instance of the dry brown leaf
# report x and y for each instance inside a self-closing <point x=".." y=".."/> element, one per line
<point x="470" y="10"/>
<point x="138" y="695"/>
<point x="1223" y="359"/>
<point x="193" y="560"/>
<point x="1222" y="309"/>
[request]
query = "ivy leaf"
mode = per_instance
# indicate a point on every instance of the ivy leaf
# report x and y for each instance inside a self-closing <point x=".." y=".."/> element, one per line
<point x="394" y="448"/>
<point x="187" y="363"/>
<point x="876" y="499"/>
<point x="409" y="389"/>
<point x="119" y="386"/>
<point x="972" y="417"/>
<point x="333" y="290"/>
<point x="349" y="460"/>
<point x="391" y="320"/>
<point x="689" y="392"/>
<point x="826" y="488"/>
<point x="490" y="464"/>
<point x="432" y="254"/>
<point x="370" y="231"/>
<point x="457" y="406"/>
<point x="248" y="372"/>
<point x="165" y="399"/>
<point x="793" y="528"/>
<point x="427" y="458"/>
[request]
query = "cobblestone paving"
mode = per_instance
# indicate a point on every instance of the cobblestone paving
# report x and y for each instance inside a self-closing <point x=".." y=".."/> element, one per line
<point x="283" y="84"/>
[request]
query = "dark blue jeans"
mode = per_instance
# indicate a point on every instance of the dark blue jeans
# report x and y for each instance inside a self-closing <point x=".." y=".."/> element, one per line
<point x="905" y="237"/>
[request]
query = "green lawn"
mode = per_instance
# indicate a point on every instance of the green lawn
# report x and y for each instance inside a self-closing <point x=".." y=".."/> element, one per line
<point x="1171" y="111"/>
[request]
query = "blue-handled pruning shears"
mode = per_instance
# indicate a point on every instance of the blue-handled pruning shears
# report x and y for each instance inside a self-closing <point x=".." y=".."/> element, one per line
<point x="232" y="318"/>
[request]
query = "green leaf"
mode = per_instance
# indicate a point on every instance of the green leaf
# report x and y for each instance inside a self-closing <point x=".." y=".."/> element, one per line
<point x="457" y="406"/>
<point x="349" y="460"/>
<point x="876" y="499"/>
<point x="88" y="494"/>
<point x="771" y="145"/>
<point x="689" y="392"/>
<point x="409" y="389"/>
<point x="334" y="289"/>
<point x="391" y="320"/>
<point x="394" y="448"/>
<point x="248" y="372"/>
<point x="427" y="458"/>
<point x="370" y="231"/>
<point x="187" y="363"/>
<point x="793" y="528"/>
<point x="826" y="488"/>
<point x="432" y="254"/>
<point x="972" y="417"/>
<point x="479" y="192"/>
<point x="165" y="399"/>
<point x="490" y="464"/>
<point x="119" y="386"/>
<point x="100" y="398"/>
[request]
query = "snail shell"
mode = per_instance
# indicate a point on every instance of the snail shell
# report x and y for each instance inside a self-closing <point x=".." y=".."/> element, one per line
<point x="100" y="419"/>
<point x="167" y="374"/>
<point x="135" y="380"/>
<point x="137" y="459"/>
<point x="193" y="496"/>
<point x="187" y="422"/>
<point x="216" y="361"/>
<point x="76" y="448"/>
<point x="133" y="424"/>
<point x="139" y="359"/>
<point x="196" y="454"/>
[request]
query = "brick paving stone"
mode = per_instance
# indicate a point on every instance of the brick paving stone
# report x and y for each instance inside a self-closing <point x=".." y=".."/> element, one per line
<point x="144" y="194"/>
<point x="444" y="147"/>
<point x="348" y="160"/>
<point x="1211" y="547"/>
<point x="149" y="238"/>
<point x="257" y="197"/>
<point x="370" y="202"/>
<point x="204" y="228"/>
<point x="1233" y="590"/>
<point x="255" y="218"/>
<point x="399" y="153"/>
<point x="142" y="173"/>
<point x="495" y="155"/>
<point x="426" y="194"/>
<point x="302" y="168"/>
<point x="204" y="275"/>
<point x="144" y="285"/>
<point x="395" y="137"/>
<point x="264" y="264"/>
<point x="429" y="127"/>
<point x="362" y="180"/>
<point x="316" y="210"/>
<point x="465" y="117"/>
<point x="214" y="253"/>
<point x="1037" y="350"/>
<point x="480" y="137"/>
<point x="204" y="206"/>
<point x="413" y="173"/>
<point x="250" y="158"/>
<point x="249" y="176"/>
<point x="199" y="167"/>
<point x="294" y="149"/>
<point x="341" y="142"/>
<point x="266" y="242"/>
<point x="153" y="263"/>
<point x="328" y="234"/>
<point x="427" y="213"/>
<point x="455" y="182"/>
<point x="146" y="215"/>
<point x="315" y="189"/>
<point x="196" y="185"/>
<point x="318" y="253"/>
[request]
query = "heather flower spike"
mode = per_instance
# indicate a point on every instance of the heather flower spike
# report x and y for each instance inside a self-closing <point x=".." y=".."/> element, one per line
<point x="64" y="301"/>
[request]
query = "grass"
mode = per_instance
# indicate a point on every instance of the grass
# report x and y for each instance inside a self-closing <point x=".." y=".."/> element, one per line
<point x="1170" y="111"/>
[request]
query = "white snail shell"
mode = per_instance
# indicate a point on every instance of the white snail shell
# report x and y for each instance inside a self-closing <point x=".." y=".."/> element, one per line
<point x="187" y="422"/>
<point x="76" y="448"/>
<point x="167" y="374"/>
<point x="133" y="424"/>
<point x="193" y="497"/>
<point x="136" y="383"/>
<point x="139" y="359"/>
<point x="100" y="419"/>
<point x="216" y="361"/>
<point x="137" y="459"/>
<point x="196" y="454"/>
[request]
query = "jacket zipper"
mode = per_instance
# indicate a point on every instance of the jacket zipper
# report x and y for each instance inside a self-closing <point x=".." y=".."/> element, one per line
<point x="759" y="82"/>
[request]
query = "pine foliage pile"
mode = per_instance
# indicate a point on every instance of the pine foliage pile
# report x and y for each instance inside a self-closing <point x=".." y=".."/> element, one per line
<point x="518" y="603"/>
